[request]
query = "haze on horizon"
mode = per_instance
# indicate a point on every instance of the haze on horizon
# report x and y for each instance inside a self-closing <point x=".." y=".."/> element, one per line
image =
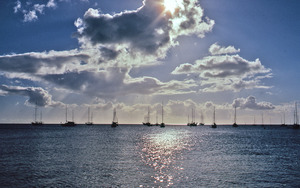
<point x="138" y="54"/>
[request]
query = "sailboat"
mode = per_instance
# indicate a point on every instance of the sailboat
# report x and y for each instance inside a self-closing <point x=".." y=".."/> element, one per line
<point x="262" y="119"/>
<point x="69" y="123"/>
<point x="89" y="122"/>
<point x="214" y="125"/>
<point x="35" y="122"/>
<point x="202" y="122"/>
<point x="296" y="119"/>
<point x="147" y="118"/>
<point x="115" y="119"/>
<point x="283" y="124"/>
<point x="254" y="121"/>
<point x="234" y="124"/>
<point x="162" y="125"/>
<point x="193" y="123"/>
<point x="156" y="124"/>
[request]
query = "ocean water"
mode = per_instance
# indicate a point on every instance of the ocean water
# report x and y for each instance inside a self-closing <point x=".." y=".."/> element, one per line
<point x="140" y="156"/>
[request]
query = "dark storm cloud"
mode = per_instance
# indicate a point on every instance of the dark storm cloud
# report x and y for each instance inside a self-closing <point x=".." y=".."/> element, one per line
<point x="33" y="62"/>
<point x="132" y="27"/>
<point x="147" y="28"/>
<point x="109" y="53"/>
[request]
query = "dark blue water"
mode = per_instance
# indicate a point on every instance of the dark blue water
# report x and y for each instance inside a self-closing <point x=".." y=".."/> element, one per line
<point x="139" y="156"/>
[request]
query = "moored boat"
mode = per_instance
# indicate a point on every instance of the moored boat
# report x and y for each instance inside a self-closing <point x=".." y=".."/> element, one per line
<point x="235" y="124"/>
<point x="115" y="119"/>
<point x="214" y="125"/>
<point x="69" y="123"/>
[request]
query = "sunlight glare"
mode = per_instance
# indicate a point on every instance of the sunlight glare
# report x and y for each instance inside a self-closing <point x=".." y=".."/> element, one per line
<point x="172" y="5"/>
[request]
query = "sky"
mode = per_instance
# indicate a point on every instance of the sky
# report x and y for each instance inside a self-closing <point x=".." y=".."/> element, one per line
<point x="134" y="54"/>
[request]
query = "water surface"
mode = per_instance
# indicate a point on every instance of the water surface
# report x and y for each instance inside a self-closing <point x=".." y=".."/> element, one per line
<point x="140" y="156"/>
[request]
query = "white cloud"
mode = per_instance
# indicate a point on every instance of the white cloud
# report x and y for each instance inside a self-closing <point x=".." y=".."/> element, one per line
<point x="250" y="103"/>
<point x="39" y="8"/>
<point x="18" y="7"/>
<point x="30" y="16"/>
<point x="30" y="11"/>
<point x="226" y="72"/>
<point x="37" y="95"/>
<point x="216" y="49"/>
<point x="51" y="4"/>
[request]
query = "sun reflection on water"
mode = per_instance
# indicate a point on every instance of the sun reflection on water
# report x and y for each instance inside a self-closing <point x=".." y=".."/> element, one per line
<point x="163" y="152"/>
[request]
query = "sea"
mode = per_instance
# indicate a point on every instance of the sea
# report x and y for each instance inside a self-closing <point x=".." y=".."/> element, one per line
<point x="141" y="156"/>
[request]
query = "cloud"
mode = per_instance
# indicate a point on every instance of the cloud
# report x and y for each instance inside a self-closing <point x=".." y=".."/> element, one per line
<point x="37" y="95"/>
<point x="250" y="103"/>
<point x="18" y="7"/>
<point x="30" y="11"/>
<point x="116" y="81"/>
<point x="41" y="63"/>
<point x="80" y="72"/>
<point x="51" y="4"/>
<point x="39" y="8"/>
<point x="149" y="29"/>
<point x="111" y="46"/>
<point x="30" y="16"/>
<point x="216" y="49"/>
<point x="226" y="72"/>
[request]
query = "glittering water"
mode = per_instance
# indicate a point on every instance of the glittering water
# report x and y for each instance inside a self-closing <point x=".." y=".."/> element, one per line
<point x="140" y="156"/>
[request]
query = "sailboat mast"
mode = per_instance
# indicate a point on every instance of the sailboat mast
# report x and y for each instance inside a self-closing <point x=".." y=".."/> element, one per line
<point x="41" y="115"/>
<point x="214" y="117"/>
<point x="235" y="114"/>
<point x="193" y="115"/>
<point x="66" y="113"/>
<point x="148" y="118"/>
<point x="296" y="114"/>
<point x="35" y="111"/>
<point x="88" y="114"/>
<point x="73" y="115"/>
<point x="115" y="115"/>
<point x="162" y="113"/>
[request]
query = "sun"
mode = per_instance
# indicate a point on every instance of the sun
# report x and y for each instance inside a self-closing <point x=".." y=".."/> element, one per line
<point x="172" y="5"/>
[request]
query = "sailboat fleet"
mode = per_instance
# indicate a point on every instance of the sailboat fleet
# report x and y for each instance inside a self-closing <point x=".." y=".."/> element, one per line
<point x="146" y="122"/>
<point x="147" y="118"/>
